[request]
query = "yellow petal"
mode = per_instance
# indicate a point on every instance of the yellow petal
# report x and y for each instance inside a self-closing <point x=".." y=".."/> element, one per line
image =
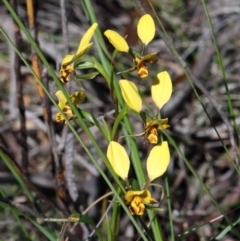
<point x="61" y="99"/>
<point x="67" y="60"/>
<point x="118" y="159"/>
<point x="143" y="71"/>
<point x="117" y="40"/>
<point x="146" y="29"/>
<point x="136" y="206"/>
<point x="161" y="89"/>
<point x="131" y="95"/>
<point x="158" y="160"/>
<point x="85" y="41"/>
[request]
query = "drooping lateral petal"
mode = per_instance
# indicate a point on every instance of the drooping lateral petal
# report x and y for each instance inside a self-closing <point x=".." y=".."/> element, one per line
<point x="147" y="197"/>
<point x="146" y="29"/>
<point x="158" y="160"/>
<point x="85" y="41"/>
<point x="131" y="95"/>
<point x="118" y="159"/>
<point x="163" y="124"/>
<point x="77" y="97"/>
<point x="161" y="89"/>
<point x="149" y="58"/>
<point x="117" y="40"/>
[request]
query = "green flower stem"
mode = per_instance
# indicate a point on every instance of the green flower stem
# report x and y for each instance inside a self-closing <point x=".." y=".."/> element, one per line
<point x="169" y="209"/>
<point x="115" y="217"/>
<point x="47" y="232"/>
<point x="114" y="99"/>
<point x="18" y="177"/>
<point x="117" y="122"/>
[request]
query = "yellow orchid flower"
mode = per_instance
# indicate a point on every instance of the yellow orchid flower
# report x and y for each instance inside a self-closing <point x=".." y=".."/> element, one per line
<point x="153" y="128"/>
<point x="136" y="201"/>
<point x="131" y="95"/>
<point x="161" y="92"/>
<point x="146" y="31"/>
<point x="67" y="64"/>
<point x="118" y="159"/>
<point x="158" y="160"/>
<point x="85" y="44"/>
<point x="157" y="164"/>
<point x="76" y="98"/>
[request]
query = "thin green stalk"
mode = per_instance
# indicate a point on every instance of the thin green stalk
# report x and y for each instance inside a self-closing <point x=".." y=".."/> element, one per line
<point x="17" y="176"/>
<point x="115" y="219"/>
<point x="176" y="27"/>
<point x="20" y="221"/>
<point x="156" y="228"/>
<point x="169" y="210"/>
<point x="17" y="212"/>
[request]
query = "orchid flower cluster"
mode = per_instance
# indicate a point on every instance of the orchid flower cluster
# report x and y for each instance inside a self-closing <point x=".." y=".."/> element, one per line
<point x="157" y="164"/>
<point x="161" y="90"/>
<point x="146" y="32"/>
<point x="68" y="66"/>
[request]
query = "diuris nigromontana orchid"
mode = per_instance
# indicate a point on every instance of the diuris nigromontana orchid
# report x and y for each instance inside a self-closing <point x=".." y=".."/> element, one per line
<point x="76" y="98"/>
<point x="161" y="91"/>
<point x="67" y="66"/>
<point x="157" y="163"/>
<point x="146" y="32"/>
